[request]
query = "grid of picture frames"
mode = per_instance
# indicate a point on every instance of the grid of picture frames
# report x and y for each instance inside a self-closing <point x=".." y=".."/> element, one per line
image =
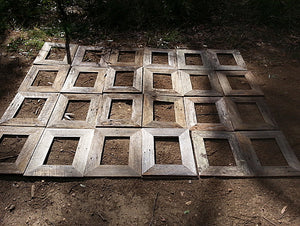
<point x="141" y="128"/>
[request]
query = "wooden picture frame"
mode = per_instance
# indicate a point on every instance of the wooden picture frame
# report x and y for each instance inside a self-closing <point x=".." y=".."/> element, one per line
<point x="240" y="170"/>
<point x="138" y="59"/>
<point x="136" y="117"/>
<point x="191" y="118"/>
<point x="148" y="115"/>
<point x="19" y="166"/>
<point x="257" y="169"/>
<point x="175" y="78"/>
<point x="133" y="169"/>
<point x="62" y="73"/>
<point x="206" y="65"/>
<point x="172" y="58"/>
<point x="236" y="119"/>
<point x="36" y="166"/>
<point x="41" y="121"/>
<point x="69" y="86"/>
<point x="44" y="52"/>
<point x="79" y="57"/>
<point x="57" y="117"/>
<point x="188" y="90"/>
<point x="228" y="91"/>
<point x="240" y="63"/>
<point x="150" y="168"/>
<point x="137" y="87"/>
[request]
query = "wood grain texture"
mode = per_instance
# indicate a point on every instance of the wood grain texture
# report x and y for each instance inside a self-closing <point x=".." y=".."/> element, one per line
<point x="137" y="109"/>
<point x="150" y="168"/>
<point x="235" y="117"/>
<point x="36" y="166"/>
<point x="188" y="90"/>
<point x="228" y="91"/>
<point x="172" y="58"/>
<point x="81" y="51"/>
<point x="177" y="88"/>
<point x="19" y="166"/>
<point x="137" y="87"/>
<point x="181" y="53"/>
<point x="69" y="86"/>
<point x="41" y="57"/>
<point x="62" y="73"/>
<point x="57" y="118"/>
<point x="148" y="115"/>
<point x="133" y="169"/>
<point x="40" y="121"/>
<point x="259" y="170"/>
<point x="191" y="118"/>
<point x="240" y="170"/>
<point x="138" y="59"/>
<point x="240" y="63"/>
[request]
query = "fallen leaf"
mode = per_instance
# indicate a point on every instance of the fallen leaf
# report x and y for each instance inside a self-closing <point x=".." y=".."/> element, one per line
<point x="188" y="203"/>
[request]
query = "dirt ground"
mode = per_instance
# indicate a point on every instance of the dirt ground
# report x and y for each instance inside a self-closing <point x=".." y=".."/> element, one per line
<point x="208" y="201"/>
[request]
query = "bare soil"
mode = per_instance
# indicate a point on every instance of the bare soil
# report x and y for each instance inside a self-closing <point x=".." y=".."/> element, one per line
<point x="115" y="151"/>
<point x="238" y="82"/>
<point x="250" y="113"/>
<point x="62" y="151"/>
<point x="126" y="56"/>
<point x="78" y="109"/>
<point x="160" y="58"/>
<point x="219" y="152"/>
<point x="163" y="111"/>
<point x="124" y="78"/>
<point x="86" y="79"/>
<point x="162" y="81"/>
<point x="45" y="78"/>
<point x="226" y="59"/>
<point x="193" y="59"/>
<point x="30" y="108"/>
<point x="200" y="82"/>
<point x="120" y="109"/>
<point x="207" y="113"/>
<point x="167" y="150"/>
<point x="56" y="53"/>
<point x="92" y="56"/>
<point x="208" y="201"/>
<point x="10" y="147"/>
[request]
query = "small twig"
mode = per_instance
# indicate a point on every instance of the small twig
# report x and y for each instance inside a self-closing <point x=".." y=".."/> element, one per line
<point x="8" y="157"/>
<point x="37" y="111"/>
<point x="100" y="215"/>
<point x="269" y="221"/>
<point x="154" y="207"/>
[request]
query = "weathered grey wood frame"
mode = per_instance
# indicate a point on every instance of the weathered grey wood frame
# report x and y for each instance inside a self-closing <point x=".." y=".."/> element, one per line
<point x="62" y="73"/>
<point x="150" y="168"/>
<point x="40" y="121"/>
<point x="148" y="119"/>
<point x="78" y="59"/>
<point x="41" y="57"/>
<point x="240" y="63"/>
<point x="19" y="166"/>
<point x="191" y="118"/>
<point x="239" y="124"/>
<point x="293" y="167"/>
<point x="138" y="62"/>
<point x="239" y="170"/>
<point x="36" y="166"/>
<point x="228" y="91"/>
<point x="204" y="58"/>
<point x="137" y="80"/>
<point x="175" y="78"/>
<point x="137" y="109"/>
<point x="188" y="90"/>
<point x="172" y="58"/>
<point x="133" y="169"/>
<point x="56" y="120"/>
<point x="69" y="86"/>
